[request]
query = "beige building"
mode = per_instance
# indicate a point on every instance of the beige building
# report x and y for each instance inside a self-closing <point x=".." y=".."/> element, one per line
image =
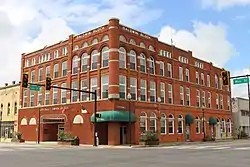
<point x="9" y="103"/>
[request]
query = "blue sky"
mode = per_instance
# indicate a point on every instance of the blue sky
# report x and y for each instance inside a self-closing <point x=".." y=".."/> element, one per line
<point x="217" y="31"/>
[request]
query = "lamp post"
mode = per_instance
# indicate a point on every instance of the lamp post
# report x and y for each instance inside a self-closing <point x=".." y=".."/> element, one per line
<point x="130" y="133"/>
<point x="203" y="122"/>
<point x="39" y="123"/>
<point x="159" y="101"/>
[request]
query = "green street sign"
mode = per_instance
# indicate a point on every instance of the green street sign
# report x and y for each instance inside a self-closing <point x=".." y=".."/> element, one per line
<point x="240" y="81"/>
<point x="35" y="87"/>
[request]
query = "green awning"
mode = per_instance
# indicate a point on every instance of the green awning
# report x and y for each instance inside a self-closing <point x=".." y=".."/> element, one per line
<point x="113" y="116"/>
<point x="212" y="121"/>
<point x="189" y="119"/>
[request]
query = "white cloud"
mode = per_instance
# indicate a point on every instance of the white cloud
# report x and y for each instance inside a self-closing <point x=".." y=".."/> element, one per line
<point x="207" y="42"/>
<point x="51" y="21"/>
<point x="241" y="89"/>
<point x="222" y="4"/>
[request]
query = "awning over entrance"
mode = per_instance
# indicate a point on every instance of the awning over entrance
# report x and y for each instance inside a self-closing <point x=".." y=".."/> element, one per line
<point x="113" y="116"/>
<point x="212" y="121"/>
<point x="189" y="119"/>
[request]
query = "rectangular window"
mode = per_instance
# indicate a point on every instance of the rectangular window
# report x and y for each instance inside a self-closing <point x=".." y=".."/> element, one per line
<point x="56" y="71"/>
<point x="74" y="94"/>
<point x="152" y="91"/>
<point x="198" y="98"/>
<point x="105" y="86"/>
<point x="187" y="75"/>
<point x="25" y="98"/>
<point x="63" y="93"/>
<point x="181" y="95"/>
<point x="55" y="95"/>
<point x="196" y="77"/>
<point x="48" y="71"/>
<point x="32" y="98"/>
<point x="143" y="93"/>
<point x="170" y="94"/>
<point x="202" y="79"/>
<point x="208" y="80"/>
<point x="203" y="99"/>
<point x="169" y="74"/>
<point x="93" y="86"/>
<point x="216" y="81"/>
<point x="84" y="86"/>
<point x="162" y="88"/>
<point x="221" y="83"/>
<point x="64" y="68"/>
<point x="47" y="98"/>
<point x="221" y="102"/>
<point x="122" y="87"/>
<point x="217" y="101"/>
<point x="133" y="88"/>
<point x="209" y="99"/>
<point x="32" y="78"/>
<point x="39" y="97"/>
<point x="56" y="54"/>
<point x="187" y="96"/>
<point x="40" y="74"/>
<point x="64" y="51"/>
<point x="180" y="74"/>
<point x="161" y="68"/>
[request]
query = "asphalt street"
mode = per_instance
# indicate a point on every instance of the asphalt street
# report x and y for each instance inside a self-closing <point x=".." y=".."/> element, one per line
<point x="205" y="155"/>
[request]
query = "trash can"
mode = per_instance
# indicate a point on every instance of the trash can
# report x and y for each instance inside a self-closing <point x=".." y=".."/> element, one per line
<point x="76" y="141"/>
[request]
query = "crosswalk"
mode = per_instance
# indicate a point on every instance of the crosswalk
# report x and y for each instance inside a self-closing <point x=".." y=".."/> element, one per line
<point x="202" y="148"/>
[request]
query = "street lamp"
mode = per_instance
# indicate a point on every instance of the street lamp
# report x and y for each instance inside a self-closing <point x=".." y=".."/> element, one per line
<point x="130" y="138"/>
<point x="38" y="130"/>
<point x="203" y="122"/>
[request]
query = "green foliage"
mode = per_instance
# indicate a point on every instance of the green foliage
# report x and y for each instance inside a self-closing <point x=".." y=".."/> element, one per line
<point x="64" y="136"/>
<point x="19" y="135"/>
<point x="149" y="136"/>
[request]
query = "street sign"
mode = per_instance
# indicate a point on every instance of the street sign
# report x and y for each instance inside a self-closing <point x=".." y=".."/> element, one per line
<point x="35" y="87"/>
<point x="241" y="80"/>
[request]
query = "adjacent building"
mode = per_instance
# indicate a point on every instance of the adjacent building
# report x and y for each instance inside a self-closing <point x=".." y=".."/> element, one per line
<point x="9" y="103"/>
<point x="241" y="116"/>
<point x="164" y="88"/>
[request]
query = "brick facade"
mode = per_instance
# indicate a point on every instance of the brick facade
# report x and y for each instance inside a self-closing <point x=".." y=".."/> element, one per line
<point x="121" y="36"/>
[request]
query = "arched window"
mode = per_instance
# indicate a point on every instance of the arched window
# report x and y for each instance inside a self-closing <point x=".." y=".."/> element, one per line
<point x="85" y="44"/>
<point x="229" y="127"/>
<point x="132" y="58"/>
<point x="94" y="59"/>
<point x="142" y="62"/>
<point x="76" y="47"/>
<point x="223" y="124"/>
<point x="143" y="122"/>
<point x="180" y="124"/>
<point x="122" y="58"/>
<point x="75" y="65"/>
<point x="84" y="62"/>
<point x="105" y="38"/>
<point x="142" y="45"/>
<point x="152" y="65"/>
<point x="198" y="125"/>
<point x="122" y="38"/>
<point x="105" y="57"/>
<point x="152" y="120"/>
<point x="94" y="41"/>
<point x="151" y="48"/>
<point x="163" y="124"/>
<point x="132" y="41"/>
<point x="161" y="68"/>
<point x="171" y="124"/>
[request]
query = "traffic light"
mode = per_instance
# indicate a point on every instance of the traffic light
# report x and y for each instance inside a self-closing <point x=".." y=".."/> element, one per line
<point x="25" y="80"/>
<point x="225" y="77"/>
<point x="48" y="83"/>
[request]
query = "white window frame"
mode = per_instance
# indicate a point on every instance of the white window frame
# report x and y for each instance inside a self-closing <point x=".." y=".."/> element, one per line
<point x="63" y="93"/>
<point x="104" y="86"/>
<point x="93" y="86"/>
<point x="161" y="64"/>
<point x="202" y="79"/>
<point x="182" y="100"/>
<point x="187" y="75"/>
<point x="197" y="77"/>
<point x="133" y="88"/>
<point x="208" y="80"/>
<point x="143" y="88"/>
<point x="170" y="93"/>
<point x="132" y="60"/>
<point x="152" y="88"/>
<point x="122" y="57"/>
<point x="198" y="98"/>
<point x="94" y="59"/>
<point x="55" y="95"/>
<point x="162" y="92"/>
<point x="105" y="57"/>
<point x="64" y="68"/>
<point x="170" y="74"/>
<point x="124" y="85"/>
<point x="188" y="102"/>
<point x="143" y="62"/>
<point x="180" y="73"/>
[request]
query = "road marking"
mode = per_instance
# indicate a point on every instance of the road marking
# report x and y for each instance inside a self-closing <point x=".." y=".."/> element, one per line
<point x="242" y="148"/>
<point x="5" y="149"/>
<point x="203" y="147"/>
<point x="220" y="148"/>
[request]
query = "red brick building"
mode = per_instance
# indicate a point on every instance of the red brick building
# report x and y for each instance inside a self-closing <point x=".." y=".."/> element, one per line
<point x="170" y="89"/>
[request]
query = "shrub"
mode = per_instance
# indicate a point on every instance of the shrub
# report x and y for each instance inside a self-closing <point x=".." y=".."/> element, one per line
<point x="64" y="136"/>
<point x="19" y="135"/>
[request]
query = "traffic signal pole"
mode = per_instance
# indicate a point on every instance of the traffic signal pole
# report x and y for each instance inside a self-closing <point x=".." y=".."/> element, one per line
<point x="95" y="105"/>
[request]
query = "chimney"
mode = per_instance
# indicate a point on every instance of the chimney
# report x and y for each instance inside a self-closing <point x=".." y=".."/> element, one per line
<point x="13" y="82"/>
<point x="6" y="84"/>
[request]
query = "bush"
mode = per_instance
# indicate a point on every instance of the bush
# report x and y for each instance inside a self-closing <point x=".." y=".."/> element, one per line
<point x="150" y="138"/>
<point x="19" y="135"/>
<point x="64" y="136"/>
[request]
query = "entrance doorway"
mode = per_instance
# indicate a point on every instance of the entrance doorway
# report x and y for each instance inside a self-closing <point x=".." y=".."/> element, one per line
<point x="123" y="135"/>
